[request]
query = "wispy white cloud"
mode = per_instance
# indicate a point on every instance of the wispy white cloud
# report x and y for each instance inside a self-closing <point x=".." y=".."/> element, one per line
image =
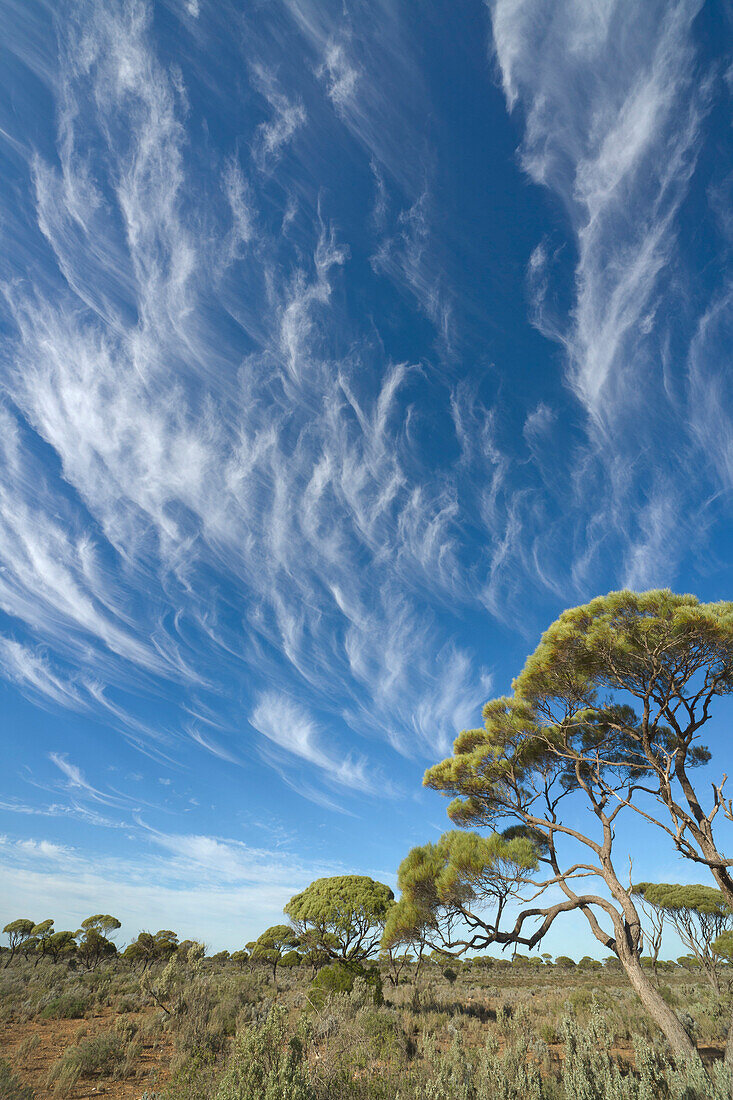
<point x="210" y="463"/>
<point x="407" y="258"/>
<point x="613" y="99"/>
<point x="287" y="116"/>
<point x="286" y="724"/>
<point x="341" y="75"/>
<point x="613" y="131"/>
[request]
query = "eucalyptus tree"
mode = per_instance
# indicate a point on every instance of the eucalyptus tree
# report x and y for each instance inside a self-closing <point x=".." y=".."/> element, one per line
<point x="273" y="944"/>
<point x="149" y="948"/>
<point x="39" y="937"/>
<point x="18" y="932"/>
<point x="61" y="945"/>
<point x="447" y="887"/>
<point x="342" y="916"/>
<point x="94" y="943"/>
<point x="671" y="658"/>
<point x="698" y="914"/>
<point x="604" y="718"/>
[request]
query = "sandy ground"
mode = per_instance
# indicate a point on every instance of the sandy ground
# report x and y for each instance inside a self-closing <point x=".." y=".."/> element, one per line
<point x="56" y="1035"/>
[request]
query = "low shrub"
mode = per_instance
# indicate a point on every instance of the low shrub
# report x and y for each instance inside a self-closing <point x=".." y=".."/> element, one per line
<point x="68" y="1006"/>
<point x="107" y="1054"/>
<point x="266" y="1064"/>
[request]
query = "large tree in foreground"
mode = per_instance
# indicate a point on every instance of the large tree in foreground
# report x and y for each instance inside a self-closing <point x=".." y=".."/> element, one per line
<point x="343" y="917"/>
<point x="670" y="657"/>
<point x="605" y="717"/>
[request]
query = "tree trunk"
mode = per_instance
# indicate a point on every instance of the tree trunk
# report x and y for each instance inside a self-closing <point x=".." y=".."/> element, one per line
<point x="664" y="1017"/>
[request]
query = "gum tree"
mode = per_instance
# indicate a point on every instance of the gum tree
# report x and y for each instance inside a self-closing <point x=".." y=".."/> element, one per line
<point x="447" y="887"/>
<point x="61" y="945"/>
<point x="669" y="657"/>
<point x="698" y="914"/>
<point x="40" y="935"/>
<point x="149" y="948"/>
<point x="94" y="943"/>
<point x="343" y="916"/>
<point x="273" y="944"/>
<point x="605" y="717"/>
<point x="521" y="770"/>
<point x="18" y="931"/>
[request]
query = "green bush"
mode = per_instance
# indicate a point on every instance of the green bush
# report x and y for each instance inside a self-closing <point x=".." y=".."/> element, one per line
<point x="69" y="1006"/>
<point x="340" y="978"/>
<point x="267" y="1065"/>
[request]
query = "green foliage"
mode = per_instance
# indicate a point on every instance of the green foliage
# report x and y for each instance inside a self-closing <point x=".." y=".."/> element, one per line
<point x="329" y="981"/>
<point x="339" y="977"/>
<point x="624" y="642"/>
<point x="108" y="1054"/>
<point x="723" y="946"/>
<point x="676" y="898"/>
<point x="60" y="945"/>
<point x="266" y="1064"/>
<point x="273" y="944"/>
<point x="699" y="915"/>
<point x="343" y="916"/>
<point x="169" y="989"/>
<point x="94" y="944"/>
<point x="441" y="880"/>
<point x="40" y="934"/>
<point x="149" y="948"/>
<point x="68" y="1006"/>
<point x="18" y="932"/>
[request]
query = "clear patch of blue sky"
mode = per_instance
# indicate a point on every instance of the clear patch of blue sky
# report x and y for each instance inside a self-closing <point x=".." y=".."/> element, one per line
<point x="344" y="345"/>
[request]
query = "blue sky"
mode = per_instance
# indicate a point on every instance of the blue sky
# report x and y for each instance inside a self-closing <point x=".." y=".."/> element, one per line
<point x="344" y="345"/>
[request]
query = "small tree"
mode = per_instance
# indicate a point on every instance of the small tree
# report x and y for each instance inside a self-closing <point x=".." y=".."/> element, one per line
<point x="343" y="916"/>
<point x="40" y="935"/>
<point x="149" y="948"/>
<point x="18" y="931"/>
<point x="698" y="914"/>
<point x="61" y="945"/>
<point x="169" y="990"/>
<point x="94" y="943"/>
<point x="240" y="958"/>
<point x="272" y="945"/>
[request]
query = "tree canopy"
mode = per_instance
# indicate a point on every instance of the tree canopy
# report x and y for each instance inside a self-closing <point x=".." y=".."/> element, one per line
<point x="446" y="885"/>
<point x="699" y="915"/>
<point x="273" y="944"/>
<point x="343" y="915"/>
<point x="94" y="942"/>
